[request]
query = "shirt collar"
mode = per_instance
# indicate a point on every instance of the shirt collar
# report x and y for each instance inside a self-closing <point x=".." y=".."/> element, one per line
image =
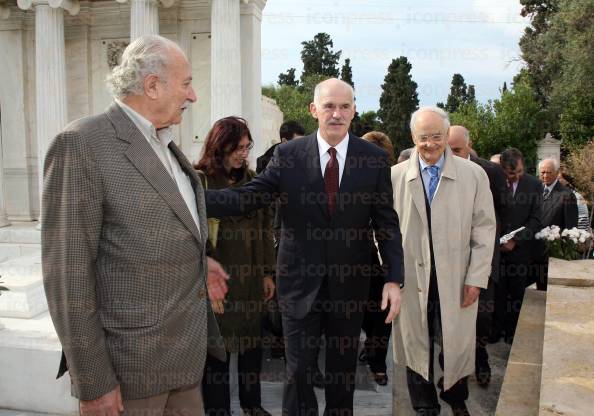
<point x="341" y="148"/>
<point x="551" y="186"/>
<point x="439" y="163"/>
<point x="161" y="136"/>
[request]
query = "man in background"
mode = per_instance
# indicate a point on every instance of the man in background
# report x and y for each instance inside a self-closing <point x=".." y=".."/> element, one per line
<point x="559" y="207"/>
<point x="517" y="268"/>
<point x="459" y="142"/>
<point x="289" y="130"/>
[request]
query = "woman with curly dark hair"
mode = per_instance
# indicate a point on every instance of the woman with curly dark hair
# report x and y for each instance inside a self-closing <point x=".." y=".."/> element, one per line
<point x="244" y="247"/>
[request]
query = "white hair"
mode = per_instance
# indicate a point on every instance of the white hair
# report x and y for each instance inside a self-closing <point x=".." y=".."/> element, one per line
<point x="431" y="109"/>
<point x="319" y="86"/>
<point x="465" y="132"/>
<point x="553" y="160"/>
<point x="147" y="55"/>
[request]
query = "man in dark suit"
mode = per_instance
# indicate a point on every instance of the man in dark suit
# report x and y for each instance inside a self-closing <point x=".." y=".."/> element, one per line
<point x="335" y="190"/>
<point x="459" y="142"/>
<point x="518" y="266"/>
<point x="123" y="245"/>
<point x="288" y="131"/>
<point x="559" y="207"/>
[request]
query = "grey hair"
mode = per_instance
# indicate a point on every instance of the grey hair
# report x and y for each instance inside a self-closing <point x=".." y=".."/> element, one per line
<point x="431" y="109"/>
<point x="556" y="164"/>
<point x="466" y="134"/>
<point x="147" y="55"/>
<point x="319" y="86"/>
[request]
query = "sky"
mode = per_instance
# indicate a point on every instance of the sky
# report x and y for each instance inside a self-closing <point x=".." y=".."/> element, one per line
<point x="476" y="38"/>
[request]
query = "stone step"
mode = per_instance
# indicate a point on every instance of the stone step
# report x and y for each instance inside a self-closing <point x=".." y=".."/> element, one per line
<point x="29" y="358"/>
<point x="521" y="385"/>
<point x="25" y="297"/>
<point x="21" y="233"/>
<point x="567" y="386"/>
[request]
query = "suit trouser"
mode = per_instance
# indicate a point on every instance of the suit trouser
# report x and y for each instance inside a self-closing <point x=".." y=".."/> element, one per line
<point x="484" y="320"/>
<point x="423" y="394"/>
<point x="216" y="388"/>
<point x="376" y="330"/>
<point x="185" y="401"/>
<point x="303" y="338"/>
<point x="509" y="295"/>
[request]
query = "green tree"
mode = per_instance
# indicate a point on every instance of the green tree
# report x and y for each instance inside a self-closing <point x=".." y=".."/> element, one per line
<point x="398" y="101"/>
<point x="514" y="120"/>
<point x="346" y="72"/>
<point x="470" y="94"/>
<point x="577" y="122"/>
<point x="319" y="58"/>
<point x="458" y="94"/>
<point x="364" y="123"/>
<point x="288" y="78"/>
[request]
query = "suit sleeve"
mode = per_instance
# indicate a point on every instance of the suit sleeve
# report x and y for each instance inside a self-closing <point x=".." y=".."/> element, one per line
<point x="72" y="218"/>
<point x="258" y="193"/>
<point x="384" y="221"/>
<point x="482" y="234"/>
<point x="534" y="222"/>
<point x="570" y="211"/>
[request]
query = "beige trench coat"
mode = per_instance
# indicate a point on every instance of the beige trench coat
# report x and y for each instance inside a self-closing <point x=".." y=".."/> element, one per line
<point x="463" y="229"/>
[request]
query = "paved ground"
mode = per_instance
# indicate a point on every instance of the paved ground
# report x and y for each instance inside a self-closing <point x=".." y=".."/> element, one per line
<point x="371" y="399"/>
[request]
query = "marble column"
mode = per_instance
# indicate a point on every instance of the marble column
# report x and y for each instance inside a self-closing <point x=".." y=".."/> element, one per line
<point x="50" y="71"/>
<point x="144" y="16"/>
<point x="251" y="73"/>
<point x="225" y="59"/>
<point x="4" y="14"/>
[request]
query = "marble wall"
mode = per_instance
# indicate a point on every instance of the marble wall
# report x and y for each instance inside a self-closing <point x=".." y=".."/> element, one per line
<point x="92" y="39"/>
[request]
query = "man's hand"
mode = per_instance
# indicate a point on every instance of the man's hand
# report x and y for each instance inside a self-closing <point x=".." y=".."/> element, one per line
<point x="391" y="294"/>
<point x="509" y="246"/>
<point x="218" y="306"/>
<point x="471" y="294"/>
<point x="216" y="281"/>
<point x="269" y="287"/>
<point x="110" y="404"/>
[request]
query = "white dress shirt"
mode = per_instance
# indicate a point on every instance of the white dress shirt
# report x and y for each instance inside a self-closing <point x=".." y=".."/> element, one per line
<point x="341" y="151"/>
<point x="159" y="141"/>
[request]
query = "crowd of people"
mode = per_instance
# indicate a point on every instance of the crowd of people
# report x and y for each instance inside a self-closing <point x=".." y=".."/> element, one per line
<point x="157" y="270"/>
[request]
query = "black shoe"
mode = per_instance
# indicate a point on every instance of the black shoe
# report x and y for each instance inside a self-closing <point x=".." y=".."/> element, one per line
<point x="256" y="411"/>
<point x="482" y="372"/>
<point x="380" y="378"/>
<point x="459" y="409"/>
<point x="427" y="412"/>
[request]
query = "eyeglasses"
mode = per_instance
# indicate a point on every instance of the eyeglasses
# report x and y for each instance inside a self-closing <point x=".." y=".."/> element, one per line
<point x="244" y="148"/>
<point x="435" y="138"/>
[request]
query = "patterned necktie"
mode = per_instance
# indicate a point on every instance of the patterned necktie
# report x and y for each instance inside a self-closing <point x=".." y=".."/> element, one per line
<point x="331" y="180"/>
<point x="433" y="181"/>
<point x="546" y="193"/>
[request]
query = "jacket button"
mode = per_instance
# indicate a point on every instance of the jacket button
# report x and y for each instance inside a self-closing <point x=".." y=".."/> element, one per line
<point x="420" y="264"/>
<point x="420" y="290"/>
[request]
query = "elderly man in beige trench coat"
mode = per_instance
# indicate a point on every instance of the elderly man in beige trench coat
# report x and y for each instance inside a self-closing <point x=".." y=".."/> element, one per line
<point x="447" y="222"/>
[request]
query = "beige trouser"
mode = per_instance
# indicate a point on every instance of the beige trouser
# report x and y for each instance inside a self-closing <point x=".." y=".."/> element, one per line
<point x="185" y="401"/>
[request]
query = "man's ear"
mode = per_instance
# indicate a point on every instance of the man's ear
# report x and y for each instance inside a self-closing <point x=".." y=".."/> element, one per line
<point x="313" y="110"/>
<point x="151" y="86"/>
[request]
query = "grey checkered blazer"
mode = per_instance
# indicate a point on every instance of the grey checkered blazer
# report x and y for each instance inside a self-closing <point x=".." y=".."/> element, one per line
<point x="123" y="262"/>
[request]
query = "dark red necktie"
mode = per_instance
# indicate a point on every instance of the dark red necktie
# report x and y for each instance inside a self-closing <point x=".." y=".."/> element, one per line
<point x="331" y="180"/>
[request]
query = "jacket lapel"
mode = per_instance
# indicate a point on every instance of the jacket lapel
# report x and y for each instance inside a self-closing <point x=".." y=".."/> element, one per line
<point x="414" y="182"/>
<point x="314" y="171"/>
<point x="143" y="157"/>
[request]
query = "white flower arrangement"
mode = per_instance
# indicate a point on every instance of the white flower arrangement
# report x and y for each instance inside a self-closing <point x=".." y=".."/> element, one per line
<point x="563" y="244"/>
